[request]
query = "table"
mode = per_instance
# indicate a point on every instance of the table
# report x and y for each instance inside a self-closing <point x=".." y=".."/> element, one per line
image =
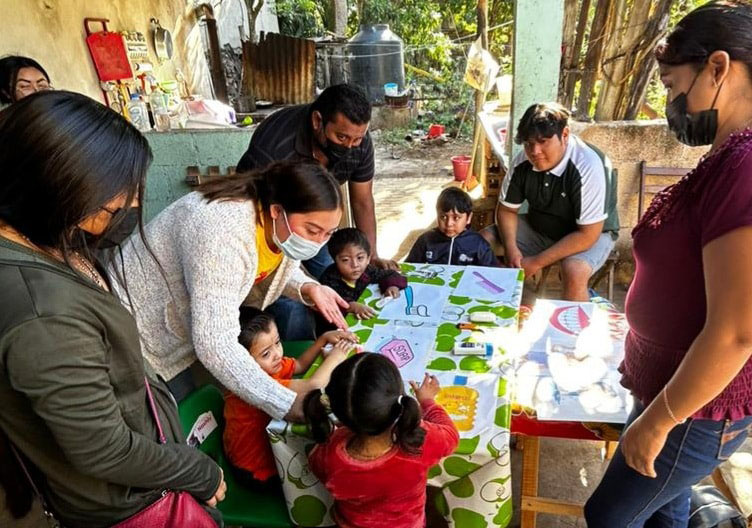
<point x="525" y="422"/>
<point x="475" y="482"/>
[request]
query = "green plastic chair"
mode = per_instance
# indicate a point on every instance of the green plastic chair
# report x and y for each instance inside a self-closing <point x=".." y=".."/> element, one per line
<point x="242" y="506"/>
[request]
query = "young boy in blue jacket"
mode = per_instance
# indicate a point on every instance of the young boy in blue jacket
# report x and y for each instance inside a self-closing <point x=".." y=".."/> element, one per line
<point x="453" y="241"/>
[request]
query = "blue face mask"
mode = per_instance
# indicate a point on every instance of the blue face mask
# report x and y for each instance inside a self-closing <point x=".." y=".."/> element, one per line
<point x="295" y="247"/>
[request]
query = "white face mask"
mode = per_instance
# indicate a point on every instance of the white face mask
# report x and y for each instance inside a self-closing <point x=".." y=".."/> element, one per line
<point x="295" y="247"/>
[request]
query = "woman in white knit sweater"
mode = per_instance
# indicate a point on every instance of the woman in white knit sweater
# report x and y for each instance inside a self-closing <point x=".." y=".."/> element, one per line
<point x="236" y="241"/>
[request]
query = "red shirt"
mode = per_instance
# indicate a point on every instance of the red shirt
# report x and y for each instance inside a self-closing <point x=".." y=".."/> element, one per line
<point x="666" y="304"/>
<point x="246" y="443"/>
<point x="389" y="491"/>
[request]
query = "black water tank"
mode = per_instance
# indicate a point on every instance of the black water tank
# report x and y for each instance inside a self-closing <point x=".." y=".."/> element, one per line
<point x="377" y="58"/>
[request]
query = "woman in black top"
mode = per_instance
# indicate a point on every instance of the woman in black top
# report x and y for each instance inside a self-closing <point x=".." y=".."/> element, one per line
<point x="72" y="378"/>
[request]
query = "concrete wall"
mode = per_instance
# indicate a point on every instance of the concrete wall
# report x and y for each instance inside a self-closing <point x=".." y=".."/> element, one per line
<point x="627" y="143"/>
<point x="174" y="151"/>
<point x="52" y="32"/>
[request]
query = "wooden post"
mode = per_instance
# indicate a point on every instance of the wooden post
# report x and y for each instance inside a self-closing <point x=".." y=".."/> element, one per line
<point x="593" y="58"/>
<point x="574" y="63"/>
<point x="478" y="163"/>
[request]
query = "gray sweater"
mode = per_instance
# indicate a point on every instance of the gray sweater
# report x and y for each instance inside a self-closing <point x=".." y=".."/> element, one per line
<point x="209" y="258"/>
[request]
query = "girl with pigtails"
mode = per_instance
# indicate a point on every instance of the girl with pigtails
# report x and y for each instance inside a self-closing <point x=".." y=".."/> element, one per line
<point x="375" y="465"/>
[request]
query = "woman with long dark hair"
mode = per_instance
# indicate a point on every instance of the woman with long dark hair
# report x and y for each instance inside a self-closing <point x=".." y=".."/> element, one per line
<point x="74" y="388"/>
<point x="689" y="307"/>
<point x="20" y="77"/>
<point x="236" y="241"/>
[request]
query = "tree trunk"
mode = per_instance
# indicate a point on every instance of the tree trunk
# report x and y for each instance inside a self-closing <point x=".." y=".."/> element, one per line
<point x="569" y="35"/>
<point x="622" y="59"/>
<point x="573" y="72"/>
<point x="337" y="22"/>
<point x="593" y="58"/>
<point x="646" y="63"/>
<point x="479" y="158"/>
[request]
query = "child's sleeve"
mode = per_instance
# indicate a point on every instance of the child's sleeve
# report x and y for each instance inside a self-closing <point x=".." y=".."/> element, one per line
<point x="418" y="251"/>
<point x="387" y="278"/>
<point x="331" y="278"/>
<point x="486" y="255"/>
<point x="442" y="437"/>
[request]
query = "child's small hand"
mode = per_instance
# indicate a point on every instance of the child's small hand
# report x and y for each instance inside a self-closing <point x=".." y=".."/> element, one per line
<point x="361" y="311"/>
<point x="338" y="353"/>
<point x="428" y="389"/>
<point x="335" y="336"/>
<point x="392" y="291"/>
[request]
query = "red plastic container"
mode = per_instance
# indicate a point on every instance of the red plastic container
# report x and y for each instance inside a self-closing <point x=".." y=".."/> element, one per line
<point x="435" y="131"/>
<point x="460" y="164"/>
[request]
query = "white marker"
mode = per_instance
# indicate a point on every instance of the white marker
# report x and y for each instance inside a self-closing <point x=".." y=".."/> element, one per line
<point x="384" y="301"/>
<point x="483" y="317"/>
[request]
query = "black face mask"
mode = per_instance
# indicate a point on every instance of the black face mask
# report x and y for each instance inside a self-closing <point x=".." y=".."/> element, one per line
<point x="334" y="153"/>
<point x="117" y="234"/>
<point x="692" y="129"/>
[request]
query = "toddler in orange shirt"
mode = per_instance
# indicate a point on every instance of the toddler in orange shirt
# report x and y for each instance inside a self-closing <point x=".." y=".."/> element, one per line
<point x="245" y="440"/>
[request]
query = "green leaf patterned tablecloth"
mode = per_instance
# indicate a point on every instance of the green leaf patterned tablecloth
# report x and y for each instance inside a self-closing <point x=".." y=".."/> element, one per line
<point x="418" y="332"/>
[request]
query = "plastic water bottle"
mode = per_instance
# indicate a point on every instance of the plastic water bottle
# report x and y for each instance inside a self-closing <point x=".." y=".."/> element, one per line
<point x="139" y="113"/>
<point x="158" y="102"/>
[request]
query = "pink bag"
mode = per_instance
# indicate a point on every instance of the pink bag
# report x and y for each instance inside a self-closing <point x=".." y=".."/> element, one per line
<point x="176" y="509"/>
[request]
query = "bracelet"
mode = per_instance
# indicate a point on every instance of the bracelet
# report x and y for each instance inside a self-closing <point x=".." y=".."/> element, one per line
<point x="668" y="408"/>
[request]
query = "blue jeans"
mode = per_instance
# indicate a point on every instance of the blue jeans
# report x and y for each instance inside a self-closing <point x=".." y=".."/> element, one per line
<point x="624" y="498"/>
<point x="295" y="321"/>
<point x="319" y="263"/>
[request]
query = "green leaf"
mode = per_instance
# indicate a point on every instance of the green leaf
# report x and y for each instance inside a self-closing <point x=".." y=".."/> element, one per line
<point x="449" y="329"/>
<point x="458" y="466"/>
<point x="468" y="519"/>
<point x="435" y="471"/>
<point x="504" y="515"/>
<point x="503" y="415"/>
<point x="462" y="488"/>
<point x="456" y="279"/>
<point x="442" y="364"/>
<point x="468" y="445"/>
<point x="308" y="510"/>
<point x="474" y="363"/>
<point x="363" y="335"/>
<point x="459" y="301"/>
<point x="502" y="388"/>
<point x="444" y="343"/>
<point x="370" y="323"/>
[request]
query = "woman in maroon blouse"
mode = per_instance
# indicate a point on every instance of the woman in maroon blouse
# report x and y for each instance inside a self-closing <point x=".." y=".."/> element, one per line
<point x="687" y="358"/>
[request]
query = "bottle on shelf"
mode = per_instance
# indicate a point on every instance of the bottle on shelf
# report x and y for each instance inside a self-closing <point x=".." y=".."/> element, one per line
<point x="139" y="115"/>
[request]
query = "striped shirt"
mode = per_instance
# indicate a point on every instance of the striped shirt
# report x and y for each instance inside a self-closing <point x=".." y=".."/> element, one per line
<point x="287" y="135"/>
<point x="579" y="190"/>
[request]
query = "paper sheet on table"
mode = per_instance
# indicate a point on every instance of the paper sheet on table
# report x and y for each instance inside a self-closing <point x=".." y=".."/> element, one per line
<point x="421" y="303"/>
<point x="489" y="284"/>
<point x="469" y="400"/>
<point x="568" y="370"/>
<point x="407" y="347"/>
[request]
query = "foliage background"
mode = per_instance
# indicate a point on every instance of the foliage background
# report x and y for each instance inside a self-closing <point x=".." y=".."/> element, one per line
<point x="437" y="34"/>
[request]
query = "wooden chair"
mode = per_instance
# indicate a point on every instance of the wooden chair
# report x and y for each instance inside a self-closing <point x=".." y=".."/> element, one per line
<point x="607" y="271"/>
<point x="654" y="179"/>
